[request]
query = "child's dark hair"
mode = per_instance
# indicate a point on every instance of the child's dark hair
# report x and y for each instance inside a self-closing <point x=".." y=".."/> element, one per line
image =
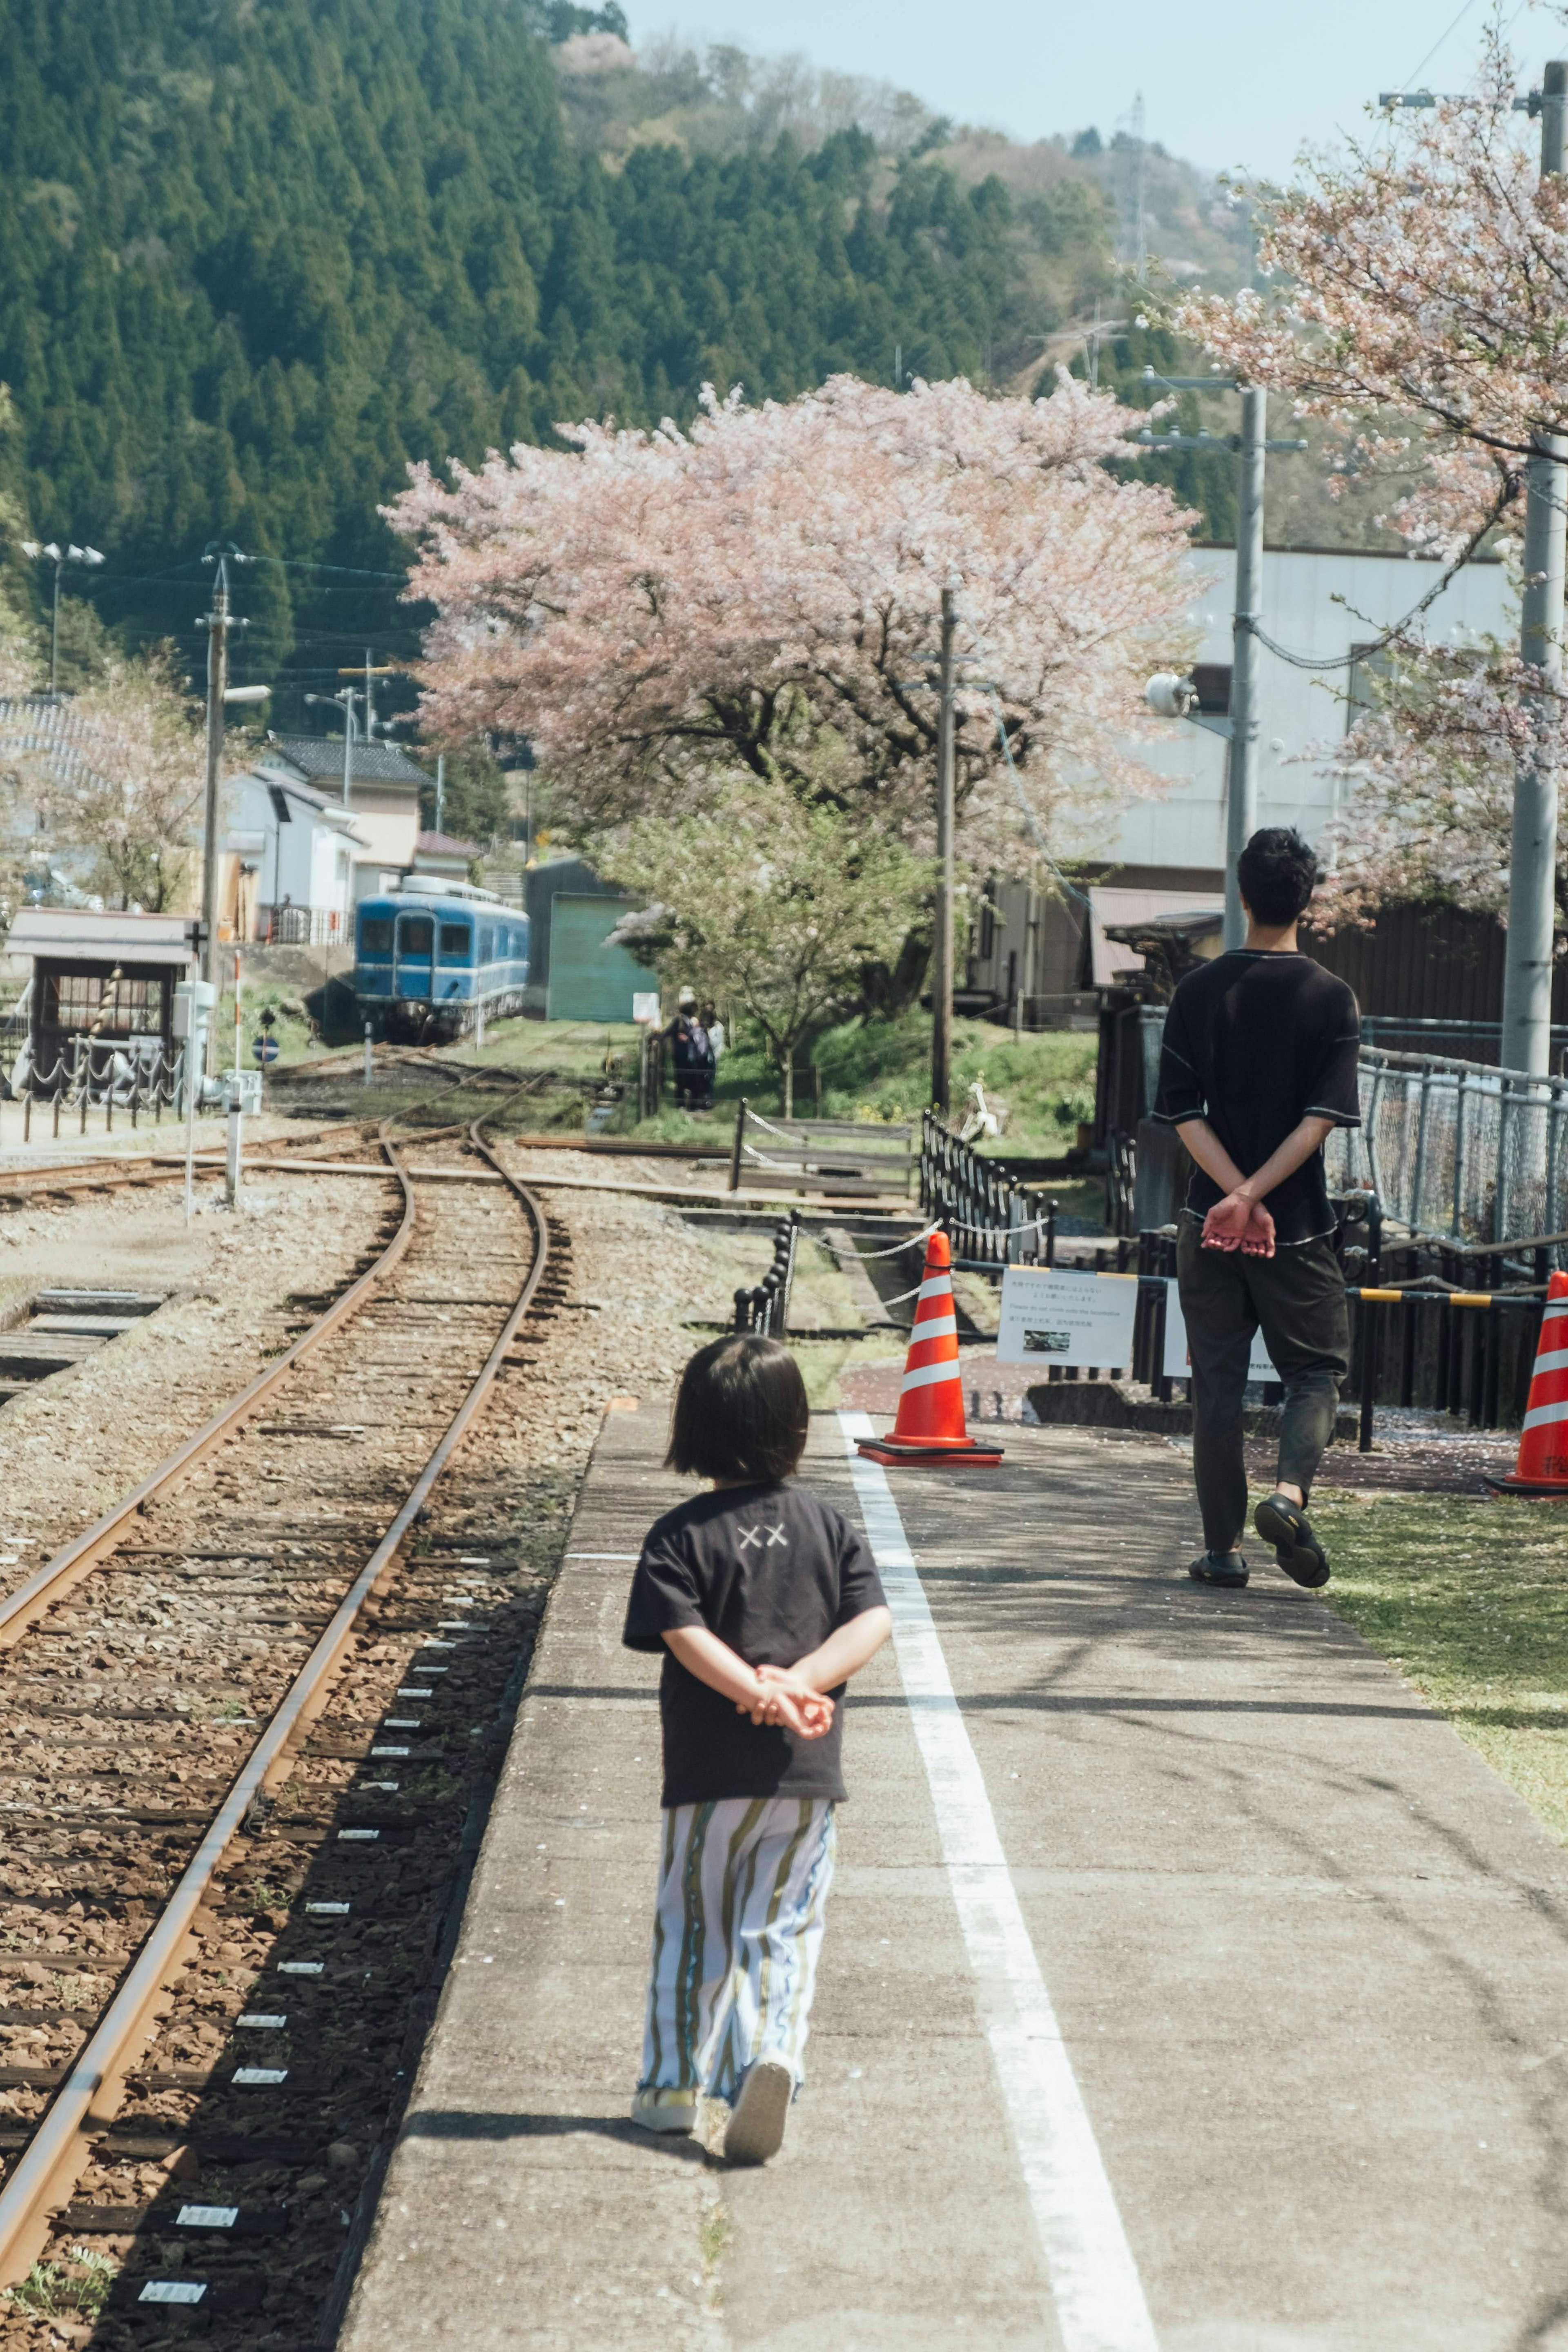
<point x="1276" y="873"/>
<point x="740" y="1411"/>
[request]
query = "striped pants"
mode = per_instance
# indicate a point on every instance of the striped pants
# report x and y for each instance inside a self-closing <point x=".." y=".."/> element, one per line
<point x="742" y="1894"/>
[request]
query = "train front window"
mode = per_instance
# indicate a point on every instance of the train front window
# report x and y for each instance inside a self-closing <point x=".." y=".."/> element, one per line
<point x="418" y="935"/>
<point x="453" y="938"/>
<point x="376" y="935"/>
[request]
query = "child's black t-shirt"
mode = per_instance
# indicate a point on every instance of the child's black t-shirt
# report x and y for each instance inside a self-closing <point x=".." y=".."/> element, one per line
<point x="773" y="1572"/>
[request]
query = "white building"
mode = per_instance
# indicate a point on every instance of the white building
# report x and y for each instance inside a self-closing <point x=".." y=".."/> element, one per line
<point x="1322" y="606"/>
<point x="1165" y="853"/>
<point x="381" y="793"/>
<point x="294" y="848"/>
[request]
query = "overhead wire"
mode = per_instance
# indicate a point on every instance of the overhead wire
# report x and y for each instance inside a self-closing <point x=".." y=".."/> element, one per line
<point x="1413" y="80"/>
<point x="1361" y="653"/>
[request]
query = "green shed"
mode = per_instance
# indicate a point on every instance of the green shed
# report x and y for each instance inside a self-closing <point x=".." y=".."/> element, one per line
<point x="588" y="981"/>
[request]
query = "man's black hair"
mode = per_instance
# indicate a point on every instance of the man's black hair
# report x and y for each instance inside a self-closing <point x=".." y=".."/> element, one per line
<point x="1278" y="873"/>
<point x="740" y="1411"/>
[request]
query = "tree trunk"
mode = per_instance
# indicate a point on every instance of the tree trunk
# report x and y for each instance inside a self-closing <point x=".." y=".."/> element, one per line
<point x="887" y="990"/>
<point x="786" y="1079"/>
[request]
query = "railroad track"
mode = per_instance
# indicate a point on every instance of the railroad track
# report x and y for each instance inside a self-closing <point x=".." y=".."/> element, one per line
<point x="62" y="1179"/>
<point x="255" y="1716"/>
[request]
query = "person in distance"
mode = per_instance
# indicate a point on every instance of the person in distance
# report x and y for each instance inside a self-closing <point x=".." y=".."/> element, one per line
<point x="764" y="1602"/>
<point x="1259" y="1066"/>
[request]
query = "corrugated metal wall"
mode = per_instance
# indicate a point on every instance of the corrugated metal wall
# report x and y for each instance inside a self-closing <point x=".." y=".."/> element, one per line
<point x="1425" y="962"/>
<point x="588" y="981"/>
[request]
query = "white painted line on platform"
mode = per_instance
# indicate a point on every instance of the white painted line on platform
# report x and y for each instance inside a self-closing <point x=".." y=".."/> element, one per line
<point x="1099" y="2296"/>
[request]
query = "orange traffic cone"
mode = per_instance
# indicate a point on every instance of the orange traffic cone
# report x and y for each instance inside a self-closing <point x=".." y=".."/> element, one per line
<point x="930" y="1426"/>
<point x="1543" y="1465"/>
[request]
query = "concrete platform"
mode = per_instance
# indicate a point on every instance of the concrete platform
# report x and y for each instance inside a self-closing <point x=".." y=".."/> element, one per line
<point x="1302" y="1957"/>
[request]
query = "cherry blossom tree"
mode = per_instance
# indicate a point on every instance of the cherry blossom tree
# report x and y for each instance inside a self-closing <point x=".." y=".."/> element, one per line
<point x="655" y="609"/>
<point x="123" y="777"/>
<point x="767" y="901"/>
<point x="1430" y="774"/>
<point x="1416" y="294"/>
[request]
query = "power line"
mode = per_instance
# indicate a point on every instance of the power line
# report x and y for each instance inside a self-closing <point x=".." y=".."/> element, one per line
<point x="1413" y="80"/>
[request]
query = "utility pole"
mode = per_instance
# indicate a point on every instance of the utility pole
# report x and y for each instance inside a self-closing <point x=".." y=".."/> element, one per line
<point x="369" y="672"/>
<point x="1251" y="446"/>
<point x="440" y="790"/>
<point x="942" y="954"/>
<point x="1241" y="766"/>
<point x="1532" y="861"/>
<point x="59" y="557"/>
<point x="216" y="623"/>
<point x="345" y="701"/>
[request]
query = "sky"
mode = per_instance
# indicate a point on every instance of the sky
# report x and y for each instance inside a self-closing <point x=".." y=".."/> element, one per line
<point x="1225" y="83"/>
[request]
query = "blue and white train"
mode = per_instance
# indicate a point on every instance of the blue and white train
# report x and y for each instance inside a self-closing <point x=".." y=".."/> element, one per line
<point x="427" y="959"/>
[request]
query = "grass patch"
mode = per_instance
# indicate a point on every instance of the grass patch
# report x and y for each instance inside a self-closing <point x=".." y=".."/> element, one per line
<point x="1469" y="1600"/>
<point x="871" y="1070"/>
<point x="290" y="1025"/>
<point x="822" y="1361"/>
<point x="881" y="1070"/>
<point x="582" y="1049"/>
<point x="77" y="2289"/>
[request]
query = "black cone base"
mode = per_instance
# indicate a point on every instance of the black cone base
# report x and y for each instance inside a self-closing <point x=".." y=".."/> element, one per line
<point x="912" y="1455"/>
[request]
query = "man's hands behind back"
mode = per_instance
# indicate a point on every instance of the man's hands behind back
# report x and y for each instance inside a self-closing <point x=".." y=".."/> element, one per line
<point x="1239" y="1224"/>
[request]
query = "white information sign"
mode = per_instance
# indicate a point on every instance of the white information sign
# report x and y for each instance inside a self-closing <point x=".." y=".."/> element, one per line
<point x="1178" y="1364"/>
<point x="645" y="1005"/>
<point x="1052" y="1317"/>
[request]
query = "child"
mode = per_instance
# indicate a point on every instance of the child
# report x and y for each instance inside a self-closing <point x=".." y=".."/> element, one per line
<point x="764" y="1602"/>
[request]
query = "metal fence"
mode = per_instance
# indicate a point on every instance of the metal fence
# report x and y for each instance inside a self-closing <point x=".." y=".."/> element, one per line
<point x="301" y="927"/>
<point x="1459" y="1151"/>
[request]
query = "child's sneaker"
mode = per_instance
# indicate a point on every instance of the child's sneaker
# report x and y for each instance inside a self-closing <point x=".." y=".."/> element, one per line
<point x="756" y="2127"/>
<point x="665" y="2111"/>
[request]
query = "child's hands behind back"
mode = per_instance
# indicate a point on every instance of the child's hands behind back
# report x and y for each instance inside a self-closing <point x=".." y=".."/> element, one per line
<point x="792" y="1702"/>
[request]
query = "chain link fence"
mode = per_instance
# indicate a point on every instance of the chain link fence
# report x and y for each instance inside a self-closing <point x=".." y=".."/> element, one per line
<point x="1459" y="1151"/>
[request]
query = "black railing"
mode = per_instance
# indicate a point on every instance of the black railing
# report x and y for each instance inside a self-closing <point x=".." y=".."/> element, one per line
<point x="765" y="1308"/>
<point x="991" y="1219"/>
<point x="1449" y="1329"/>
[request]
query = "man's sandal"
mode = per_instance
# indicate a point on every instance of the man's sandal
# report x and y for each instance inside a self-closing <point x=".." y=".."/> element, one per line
<point x="1285" y="1525"/>
<point x="1219" y="1568"/>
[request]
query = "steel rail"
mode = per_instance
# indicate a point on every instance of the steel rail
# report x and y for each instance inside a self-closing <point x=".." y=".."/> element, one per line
<point x="88" y="2100"/>
<point x="50" y="1583"/>
<point x="59" y="1176"/>
<point x="57" y="1577"/>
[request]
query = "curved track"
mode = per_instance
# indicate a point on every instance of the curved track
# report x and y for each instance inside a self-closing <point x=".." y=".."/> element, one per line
<point x="232" y="1588"/>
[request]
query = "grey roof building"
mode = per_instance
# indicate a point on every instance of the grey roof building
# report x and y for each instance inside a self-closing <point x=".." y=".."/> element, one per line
<point x="383" y="791"/>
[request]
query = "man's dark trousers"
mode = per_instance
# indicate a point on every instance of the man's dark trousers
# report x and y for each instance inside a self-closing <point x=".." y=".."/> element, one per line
<point x="1298" y="1297"/>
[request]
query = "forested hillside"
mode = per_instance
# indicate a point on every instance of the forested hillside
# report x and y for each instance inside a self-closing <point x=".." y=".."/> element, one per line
<point x="255" y="254"/>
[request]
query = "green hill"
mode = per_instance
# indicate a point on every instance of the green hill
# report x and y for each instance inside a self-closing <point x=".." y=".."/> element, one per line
<point x="255" y="254"/>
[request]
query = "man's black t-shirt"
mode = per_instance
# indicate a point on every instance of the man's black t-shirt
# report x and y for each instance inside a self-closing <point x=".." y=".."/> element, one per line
<point x="1255" y="1042"/>
<point x="773" y="1572"/>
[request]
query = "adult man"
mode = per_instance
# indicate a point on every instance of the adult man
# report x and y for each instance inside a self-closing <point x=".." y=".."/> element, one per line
<point x="1258" y="1064"/>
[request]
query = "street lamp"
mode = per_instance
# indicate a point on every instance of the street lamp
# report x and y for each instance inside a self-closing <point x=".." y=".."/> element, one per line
<point x="344" y="701"/>
<point x="50" y="553"/>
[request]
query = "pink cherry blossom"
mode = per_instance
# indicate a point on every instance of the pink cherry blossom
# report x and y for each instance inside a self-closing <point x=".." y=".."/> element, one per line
<point x="1418" y="295"/>
<point x="656" y="610"/>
